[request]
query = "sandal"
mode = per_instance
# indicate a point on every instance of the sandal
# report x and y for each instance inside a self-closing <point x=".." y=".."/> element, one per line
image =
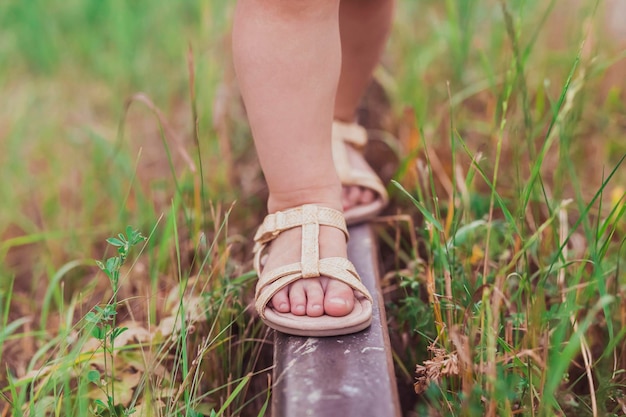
<point x="354" y="135"/>
<point x="310" y="218"/>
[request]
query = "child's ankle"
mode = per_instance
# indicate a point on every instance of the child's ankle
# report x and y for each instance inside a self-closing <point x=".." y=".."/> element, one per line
<point x="325" y="197"/>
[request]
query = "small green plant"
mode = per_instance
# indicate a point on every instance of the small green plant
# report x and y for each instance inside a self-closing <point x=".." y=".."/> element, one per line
<point x="104" y="323"/>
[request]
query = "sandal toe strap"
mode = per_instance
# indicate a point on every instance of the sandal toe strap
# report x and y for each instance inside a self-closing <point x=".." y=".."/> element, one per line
<point x="337" y="268"/>
<point x="264" y="293"/>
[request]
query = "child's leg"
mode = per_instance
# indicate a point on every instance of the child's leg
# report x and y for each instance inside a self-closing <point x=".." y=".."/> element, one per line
<point x="287" y="57"/>
<point x="364" y="27"/>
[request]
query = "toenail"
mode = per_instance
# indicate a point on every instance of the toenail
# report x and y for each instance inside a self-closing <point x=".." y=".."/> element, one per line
<point x="338" y="300"/>
<point x="283" y="306"/>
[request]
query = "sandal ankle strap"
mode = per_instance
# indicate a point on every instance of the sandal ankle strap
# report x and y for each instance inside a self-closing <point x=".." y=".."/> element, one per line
<point x="278" y="222"/>
<point x="352" y="133"/>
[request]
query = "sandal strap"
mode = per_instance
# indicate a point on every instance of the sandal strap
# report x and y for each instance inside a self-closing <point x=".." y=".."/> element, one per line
<point x="337" y="268"/>
<point x="355" y="136"/>
<point x="352" y="133"/>
<point x="310" y="217"/>
<point x="278" y="222"/>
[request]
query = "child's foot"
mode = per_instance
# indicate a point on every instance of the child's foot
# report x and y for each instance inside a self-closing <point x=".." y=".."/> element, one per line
<point x="364" y="196"/>
<point x="307" y="286"/>
<point x="354" y="195"/>
<point x="312" y="296"/>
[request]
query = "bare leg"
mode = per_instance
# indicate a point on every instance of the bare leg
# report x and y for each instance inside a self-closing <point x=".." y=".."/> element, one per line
<point x="364" y="27"/>
<point x="288" y="59"/>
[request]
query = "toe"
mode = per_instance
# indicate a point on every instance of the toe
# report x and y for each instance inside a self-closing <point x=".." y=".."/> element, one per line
<point x="345" y="197"/>
<point x="297" y="299"/>
<point x="338" y="299"/>
<point x="315" y="299"/>
<point x="367" y="196"/>
<point x="354" y="195"/>
<point x="280" y="301"/>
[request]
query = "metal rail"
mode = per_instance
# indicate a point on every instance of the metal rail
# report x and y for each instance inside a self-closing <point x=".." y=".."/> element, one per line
<point x="340" y="376"/>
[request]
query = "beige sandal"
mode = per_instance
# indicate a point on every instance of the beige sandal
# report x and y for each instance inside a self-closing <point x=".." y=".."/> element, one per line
<point x="354" y="135"/>
<point x="310" y="218"/>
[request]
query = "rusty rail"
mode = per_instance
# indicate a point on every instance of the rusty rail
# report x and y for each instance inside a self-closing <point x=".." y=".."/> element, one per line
<point x="340" y="376"/>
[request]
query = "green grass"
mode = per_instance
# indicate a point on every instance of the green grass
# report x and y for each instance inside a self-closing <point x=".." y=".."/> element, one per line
<point x="521" y="295"/>
<point x="511" y="123"/>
